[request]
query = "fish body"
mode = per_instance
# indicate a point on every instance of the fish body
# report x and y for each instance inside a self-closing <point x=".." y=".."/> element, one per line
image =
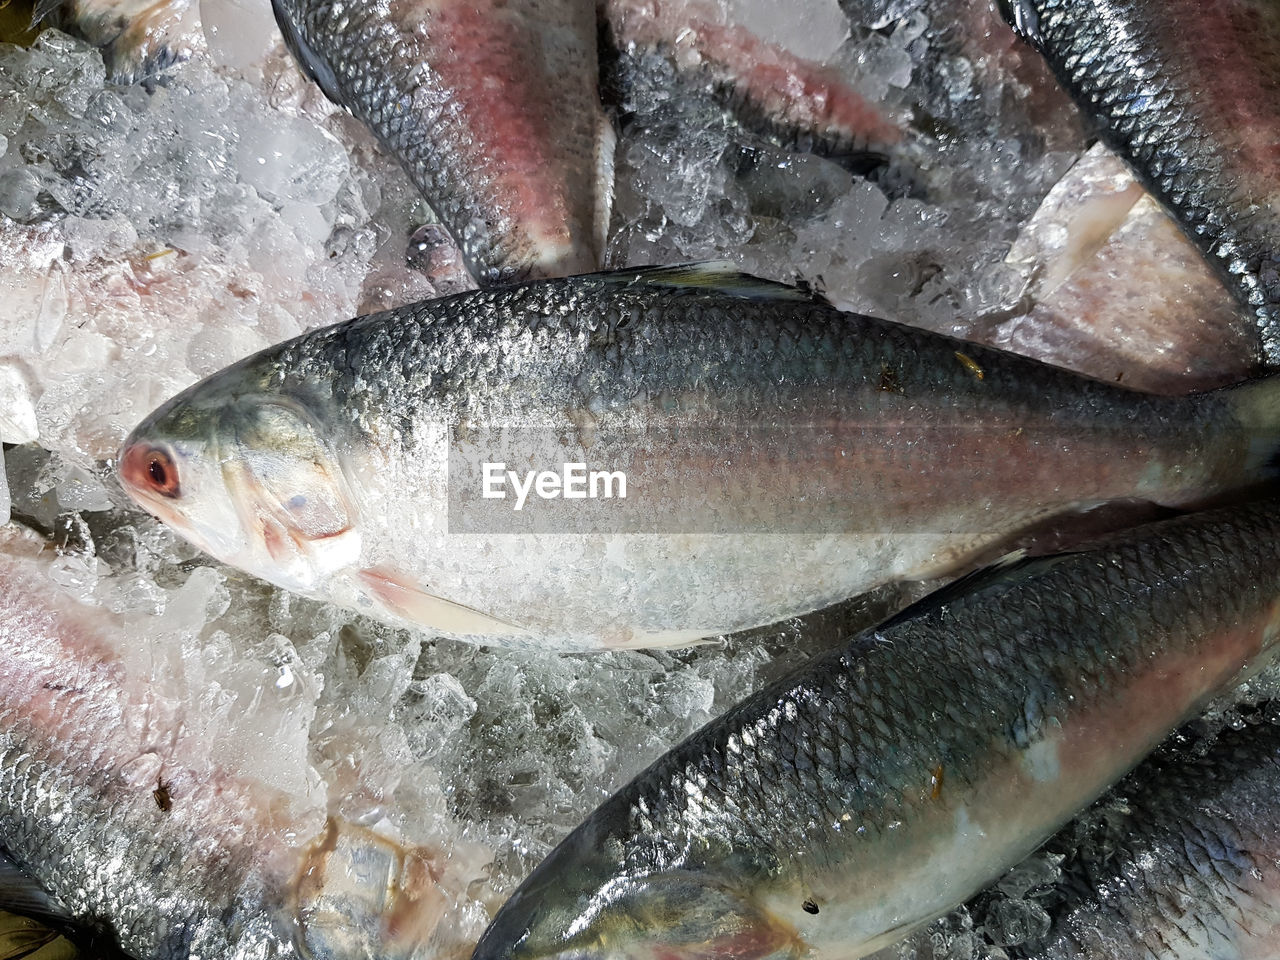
<point x="1188" y="92"/>
<point x="769" y="86"/>
<point x="492" y="108"/>
<point x="1098" y="244"/>
<point x="105" y="801"/>
<point x="780" y="455"/>
<point x="886" y="781"/>
<point x="1192" y="861"/>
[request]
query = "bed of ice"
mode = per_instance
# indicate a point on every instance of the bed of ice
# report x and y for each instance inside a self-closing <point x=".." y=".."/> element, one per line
<point x="151" y="235"/>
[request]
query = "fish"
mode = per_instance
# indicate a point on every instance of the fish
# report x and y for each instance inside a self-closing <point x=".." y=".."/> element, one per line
<point x="781" y="455"/>
<point x="1118" y="292"/>
<point x="1189" y="864"/>
<point x="1185" y="91"/>
<point x="139" y="39"/>
<point x="493" y="109"/>
<point x="805" y="104"/>
<point x="883" y="782"/>
<point x="111" y="803"/>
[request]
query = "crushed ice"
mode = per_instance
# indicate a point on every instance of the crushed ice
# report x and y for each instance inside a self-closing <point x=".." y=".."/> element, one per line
<point x="152" y="236"/>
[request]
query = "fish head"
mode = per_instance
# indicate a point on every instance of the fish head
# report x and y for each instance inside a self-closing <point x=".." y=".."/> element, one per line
<point x="591" y="907"/>
<point x="250" y="478"/>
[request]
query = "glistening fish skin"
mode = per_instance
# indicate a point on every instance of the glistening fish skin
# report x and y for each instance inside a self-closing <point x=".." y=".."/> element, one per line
<point x="803" y="455"/>
<point x="104" y="802"/>
<point x="1188" y="91"/>
<point x="883" y="783"/>
<point x="493" y="109"/>
<point x="1194" y="869"/>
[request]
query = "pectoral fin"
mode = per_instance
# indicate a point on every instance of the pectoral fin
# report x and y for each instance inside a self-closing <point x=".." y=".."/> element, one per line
<point x="405" y="598"/>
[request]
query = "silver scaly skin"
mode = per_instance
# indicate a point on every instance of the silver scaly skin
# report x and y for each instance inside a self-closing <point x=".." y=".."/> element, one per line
<point x="103" y="801"/>
<point x="1188" y="92"/>
<point x="781" y="456"/>
<point x="885" y="782"/>
<point x="492" y="108"/>
<point x="1192" y="861"/>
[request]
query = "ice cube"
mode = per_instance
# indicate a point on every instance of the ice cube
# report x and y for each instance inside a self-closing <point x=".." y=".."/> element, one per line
<point x="290" y="158"/>
<point x="1011" y="923"/>
<point x="17" y="408"/>
<point x="78" y="489"/>
<point x="812" y="31"/>
<point x="19" y="190"/>
<point x="239" y="34"/>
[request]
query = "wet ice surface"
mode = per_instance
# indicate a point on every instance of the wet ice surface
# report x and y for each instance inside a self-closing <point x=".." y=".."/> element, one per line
<point x="693" y="184"/>
<point x="151" y="237"/>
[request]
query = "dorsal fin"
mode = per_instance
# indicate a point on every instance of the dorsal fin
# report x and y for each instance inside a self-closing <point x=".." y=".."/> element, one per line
<point x="310" y="62"/>
<point x="722" y="276"/>
<point x="1007" y="570"/>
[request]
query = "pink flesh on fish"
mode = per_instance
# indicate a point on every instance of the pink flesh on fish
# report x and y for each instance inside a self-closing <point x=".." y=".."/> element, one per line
<point x="1120" y="294"/>
<point x="787" y="89"/>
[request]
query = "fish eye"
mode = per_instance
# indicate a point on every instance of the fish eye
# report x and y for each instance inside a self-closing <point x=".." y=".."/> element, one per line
<point x="152" y="469"/>
<point x="162" y="473"/>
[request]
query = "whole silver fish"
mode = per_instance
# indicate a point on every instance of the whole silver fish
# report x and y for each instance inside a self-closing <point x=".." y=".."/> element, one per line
<point x="104" y="801"/>
<point x="1186" y="91"/>
<point x="779" y="456"/>
<point x="1190" y="867"/>
<point x="493" y="109"/>
<point x="883" y="783"/>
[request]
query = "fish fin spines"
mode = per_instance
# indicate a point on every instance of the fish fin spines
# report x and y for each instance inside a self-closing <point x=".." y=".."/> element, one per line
<point x="722" y="276"/>
<point x="401" y="595"/>
<point x="308" y="60"/>
<point x="606" y="150"/>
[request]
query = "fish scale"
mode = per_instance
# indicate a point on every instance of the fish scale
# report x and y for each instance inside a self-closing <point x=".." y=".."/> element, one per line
<point x="781" y="455"/>
<point x="60" y="795"/>
<point x="493" y="111"/>
<point x="833" y="810"/>
<point x="1186" y="864"/>
<point x="1187" y="92"/>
